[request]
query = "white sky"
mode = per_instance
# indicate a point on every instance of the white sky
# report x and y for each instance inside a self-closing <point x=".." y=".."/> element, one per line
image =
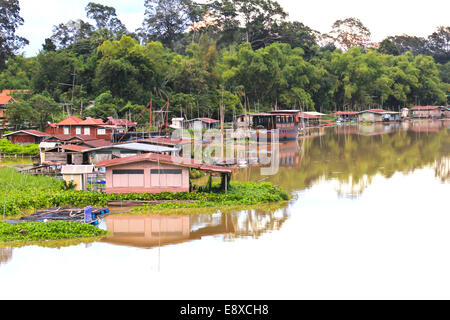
<point x="382" y="17"/>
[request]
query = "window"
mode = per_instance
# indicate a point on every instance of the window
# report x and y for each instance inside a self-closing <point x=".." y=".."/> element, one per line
<point x="87" y="131"/>
<point x="128" y="178"/>
<point x="101" y="131"/>
<point x="66" y="130"/>
<point x="128" y="171"/>
<point x="78" y="130"/>
<point x="166" y="177"/>
<point x="166" y="171"/>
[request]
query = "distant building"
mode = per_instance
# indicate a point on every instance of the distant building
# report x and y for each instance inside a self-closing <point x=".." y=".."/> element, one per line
<point x="378" y="115"/>
<point x="203" y="123"/>
<point x="347" y="115"/>
<point x="26" y="137"/>
<point x="427" y="112"/>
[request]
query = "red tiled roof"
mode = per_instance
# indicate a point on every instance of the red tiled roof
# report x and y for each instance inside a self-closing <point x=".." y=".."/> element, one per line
<point x="30" y="132"/>
<point x="73" y="147"/>
<point x="70" y="121"/>
<point x="92" y="121"/>
<point x="208" y="120"/>
<point x="97" y="143"/>
<point x="5" y="99"/>
<point x="346" y="112"/>
<point x="165" y="159"/>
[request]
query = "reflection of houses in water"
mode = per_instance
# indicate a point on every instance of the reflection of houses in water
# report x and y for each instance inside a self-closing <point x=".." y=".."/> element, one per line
<point x="368" y="130"/>
<point x="5" y="254"/>
<point x="154" y="231"/>
<point x="350" y="188"/>
<point x="429" y="126"/>
<point x="378" y="129"/>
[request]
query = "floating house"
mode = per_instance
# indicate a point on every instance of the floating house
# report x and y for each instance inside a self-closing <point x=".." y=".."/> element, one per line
<point x="286" y="122"/>
<point x="154" y="173"/>
<point x="428" y="112"/>
<point x="346" y="116"/>
<point x="378" y="115"/>
<point x="26" y="137"/>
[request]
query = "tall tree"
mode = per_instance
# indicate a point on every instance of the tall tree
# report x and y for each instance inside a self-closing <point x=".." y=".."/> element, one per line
<point x="350" y="32"/>
<point x="105" y="17"/>
<point x="439" y="44"/>
<point x="71" y="32"/>
<point x="166" y="20"/>
<point x="10" y="20"/>
<point x="257" y="21"/>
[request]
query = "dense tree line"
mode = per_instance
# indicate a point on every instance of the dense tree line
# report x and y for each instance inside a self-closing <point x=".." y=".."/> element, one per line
<point x="242" y="54"/>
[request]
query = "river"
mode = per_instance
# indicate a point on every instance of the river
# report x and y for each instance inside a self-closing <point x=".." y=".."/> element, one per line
<point x="369" y="219"/>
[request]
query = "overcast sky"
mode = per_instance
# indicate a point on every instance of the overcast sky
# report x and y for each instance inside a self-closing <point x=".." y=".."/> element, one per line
<point x="382" y="17"/>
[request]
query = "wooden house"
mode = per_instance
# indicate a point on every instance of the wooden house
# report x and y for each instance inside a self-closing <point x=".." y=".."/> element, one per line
<point x="93" y="128"/>
<point x="153" y="173"/>
<point x="26" y="137"/>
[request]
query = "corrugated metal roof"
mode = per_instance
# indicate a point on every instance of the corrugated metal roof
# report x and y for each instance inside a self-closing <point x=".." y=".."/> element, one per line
<point x="172" y="160"/>
<point x="77" y="169"/>
<point x="135" y="146"/>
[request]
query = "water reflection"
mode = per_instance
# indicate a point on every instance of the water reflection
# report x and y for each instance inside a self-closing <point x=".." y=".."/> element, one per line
<point x="351" y="155"/>
<point x="5" y="255"/>
<point x="156" y="230"/>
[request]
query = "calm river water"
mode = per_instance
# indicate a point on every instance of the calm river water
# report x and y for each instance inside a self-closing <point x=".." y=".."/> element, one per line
<point x="369" y="219"/>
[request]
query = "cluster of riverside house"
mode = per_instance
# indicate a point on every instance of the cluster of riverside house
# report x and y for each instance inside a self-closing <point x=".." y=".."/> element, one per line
<point x="91" y="151"/>
<point x="379" y="115"/>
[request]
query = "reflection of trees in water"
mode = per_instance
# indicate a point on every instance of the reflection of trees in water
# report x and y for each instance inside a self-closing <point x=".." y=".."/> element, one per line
<point x="255" y="222"/>
<point x="251" y="222"/>
<point x="442" y="169"/>
<point x="355" y="158"/>
<point x="5" y="254"/>
<point x="350" y="189"/>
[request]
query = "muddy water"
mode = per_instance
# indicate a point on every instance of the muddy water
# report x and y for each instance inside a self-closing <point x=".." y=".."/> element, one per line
<point x="369" y="218"/>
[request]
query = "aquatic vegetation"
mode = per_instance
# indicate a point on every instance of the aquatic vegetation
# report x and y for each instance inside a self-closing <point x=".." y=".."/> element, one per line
<point x="246" y="193"/>
<point x="55" y="230"/>
<point x="8" y="148"/>
<point x="23" y="193"/>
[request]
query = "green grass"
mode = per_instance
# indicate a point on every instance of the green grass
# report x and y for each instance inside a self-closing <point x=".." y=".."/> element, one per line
<point x="55" y="230"/>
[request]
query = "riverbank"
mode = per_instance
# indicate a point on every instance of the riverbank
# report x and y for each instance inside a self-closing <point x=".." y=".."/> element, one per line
<point x="24" y="194"/>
